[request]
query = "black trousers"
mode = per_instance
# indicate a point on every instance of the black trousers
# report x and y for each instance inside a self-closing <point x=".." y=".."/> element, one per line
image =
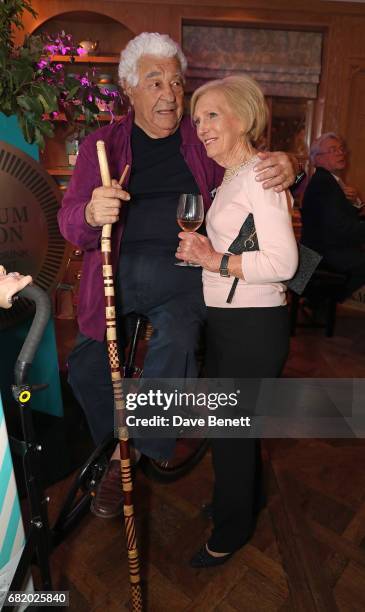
<point x="241" y="343"/>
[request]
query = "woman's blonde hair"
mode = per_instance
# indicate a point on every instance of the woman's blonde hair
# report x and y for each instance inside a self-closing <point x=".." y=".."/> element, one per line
<point x="245" y="98"/>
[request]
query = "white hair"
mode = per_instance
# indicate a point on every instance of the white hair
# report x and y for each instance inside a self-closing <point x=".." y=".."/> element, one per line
<point x="147" y="43"/>
<point x="316" y="145"/>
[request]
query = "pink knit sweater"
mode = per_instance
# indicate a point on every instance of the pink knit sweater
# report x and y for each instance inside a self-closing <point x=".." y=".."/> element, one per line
<point x="263" y="270"/>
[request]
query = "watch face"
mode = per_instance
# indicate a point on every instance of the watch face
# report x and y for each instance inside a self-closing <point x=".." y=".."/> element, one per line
<point x="30" y="241"/>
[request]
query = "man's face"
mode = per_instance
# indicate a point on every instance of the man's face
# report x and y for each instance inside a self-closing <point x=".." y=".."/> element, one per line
<point x="158" y="99"/>
<point x="332" y="155"/>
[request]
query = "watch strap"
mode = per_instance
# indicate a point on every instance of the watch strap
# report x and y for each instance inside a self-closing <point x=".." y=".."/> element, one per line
<point x="223" y="268"/>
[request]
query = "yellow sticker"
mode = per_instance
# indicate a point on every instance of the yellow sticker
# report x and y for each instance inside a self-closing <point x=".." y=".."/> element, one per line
<point x="24" y="397"/>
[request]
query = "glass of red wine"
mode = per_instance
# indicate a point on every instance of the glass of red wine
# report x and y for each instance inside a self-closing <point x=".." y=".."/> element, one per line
<point x="190" y="216"/>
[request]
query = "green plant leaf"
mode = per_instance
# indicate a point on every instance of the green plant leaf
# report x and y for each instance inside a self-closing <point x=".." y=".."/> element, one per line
<point x="73" y="91"/>
<point x="3" y="58"/>
<point x="21" y="74"/>
<point x="31" y="104"/>
<point x="27" y="127"/>
<point x="47" y="96"/>
<point x="11" y="16"/>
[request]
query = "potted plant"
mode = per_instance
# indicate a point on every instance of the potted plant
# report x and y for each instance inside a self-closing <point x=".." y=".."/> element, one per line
<point x="37" y="89"/>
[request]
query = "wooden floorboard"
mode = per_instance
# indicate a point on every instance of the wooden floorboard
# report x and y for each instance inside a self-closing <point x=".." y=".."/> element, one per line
<point x="309" y="587"/>
<point x="308" y="551"/>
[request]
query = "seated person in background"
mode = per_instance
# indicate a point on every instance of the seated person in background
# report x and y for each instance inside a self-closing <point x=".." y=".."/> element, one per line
<point x="10" y="284"/>
<point x="332" y="224"/>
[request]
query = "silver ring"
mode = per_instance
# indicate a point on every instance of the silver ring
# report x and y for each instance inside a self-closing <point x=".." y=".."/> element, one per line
<point x="10" y="299"/>
<point x="249" y="244"/>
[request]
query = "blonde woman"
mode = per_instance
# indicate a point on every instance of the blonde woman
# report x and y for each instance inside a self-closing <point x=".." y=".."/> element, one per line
<point x="248" y="337"/>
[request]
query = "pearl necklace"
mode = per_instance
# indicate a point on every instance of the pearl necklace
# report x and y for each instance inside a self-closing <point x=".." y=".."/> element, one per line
<point x="230" y="173"/>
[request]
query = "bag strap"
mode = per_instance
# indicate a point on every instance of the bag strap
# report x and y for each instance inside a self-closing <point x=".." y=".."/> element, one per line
<point x="246" y="240"/>
<point x="232" y="291"/>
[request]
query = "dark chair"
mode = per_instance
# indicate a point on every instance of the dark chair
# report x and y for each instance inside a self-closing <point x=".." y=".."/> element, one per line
<point x="323" y="292"/>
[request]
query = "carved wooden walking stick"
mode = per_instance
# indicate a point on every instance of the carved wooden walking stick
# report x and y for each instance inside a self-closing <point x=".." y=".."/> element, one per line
<point x="111" y="338"/>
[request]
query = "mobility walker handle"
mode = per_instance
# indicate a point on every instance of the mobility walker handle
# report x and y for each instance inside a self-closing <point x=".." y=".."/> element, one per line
<point x="41" y="317"/>
<point x="38" y="540"/>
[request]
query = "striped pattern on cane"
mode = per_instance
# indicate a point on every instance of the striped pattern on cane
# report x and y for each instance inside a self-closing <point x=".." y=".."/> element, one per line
<point x="111" y="338"/>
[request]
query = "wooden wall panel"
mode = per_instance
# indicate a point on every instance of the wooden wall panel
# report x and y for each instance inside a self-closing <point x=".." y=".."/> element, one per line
<point x="355" y="128"/>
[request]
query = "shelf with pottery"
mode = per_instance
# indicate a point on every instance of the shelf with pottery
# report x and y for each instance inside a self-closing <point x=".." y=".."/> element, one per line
<point x="86" y="59"/>
<point x="91" y="45"/>
<point x="95" y="67"/>
<point x="61" y="151"/>
<point x="59" y="156"/>
<point x="104" y="37"/>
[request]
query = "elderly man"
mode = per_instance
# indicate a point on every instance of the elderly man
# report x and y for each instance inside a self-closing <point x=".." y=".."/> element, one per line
<point x="165" y="159"/>
<point x="332" y="224"/>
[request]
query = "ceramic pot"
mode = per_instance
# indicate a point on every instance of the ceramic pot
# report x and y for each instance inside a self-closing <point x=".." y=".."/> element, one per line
<point x="89" y="46"/>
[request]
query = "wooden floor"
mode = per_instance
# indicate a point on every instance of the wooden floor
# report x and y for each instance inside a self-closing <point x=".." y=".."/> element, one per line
<point x="308" y="551"/>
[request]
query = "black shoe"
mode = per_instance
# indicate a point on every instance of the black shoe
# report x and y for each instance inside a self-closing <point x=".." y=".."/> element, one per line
<point x="204" y="559"/>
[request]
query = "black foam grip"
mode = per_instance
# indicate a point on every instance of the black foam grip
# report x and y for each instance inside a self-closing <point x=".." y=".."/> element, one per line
<point x="31" y="343"/>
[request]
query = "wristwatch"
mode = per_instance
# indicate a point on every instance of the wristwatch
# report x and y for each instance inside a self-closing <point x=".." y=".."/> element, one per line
<point x="223" y="268"/>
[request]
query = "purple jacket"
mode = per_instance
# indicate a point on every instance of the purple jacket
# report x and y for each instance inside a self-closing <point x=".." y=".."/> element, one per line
<point x="85" y="178"/>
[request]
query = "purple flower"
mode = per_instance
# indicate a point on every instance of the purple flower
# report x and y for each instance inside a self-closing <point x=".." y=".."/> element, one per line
<point x="51" y="49"/>
<point x="81" y="51"/>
